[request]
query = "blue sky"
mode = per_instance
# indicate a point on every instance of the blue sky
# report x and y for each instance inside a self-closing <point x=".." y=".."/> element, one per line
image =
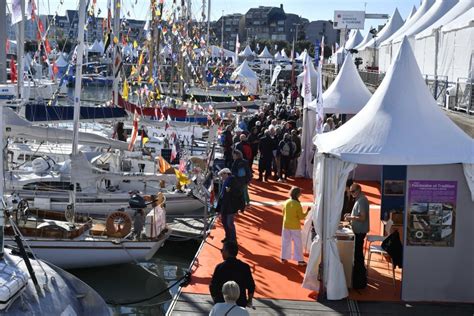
<point x="310" y="9"/>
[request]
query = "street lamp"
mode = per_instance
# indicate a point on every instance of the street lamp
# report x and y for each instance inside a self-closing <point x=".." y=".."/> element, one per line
<point x="373" y="31"/>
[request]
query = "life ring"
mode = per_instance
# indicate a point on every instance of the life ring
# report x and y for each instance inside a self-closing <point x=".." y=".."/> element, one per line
<point x="419" y="234"/>
<point x="118" y="224"/>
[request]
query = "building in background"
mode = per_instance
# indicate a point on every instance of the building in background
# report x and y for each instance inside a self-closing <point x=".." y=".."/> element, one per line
<point x="315" y="30"/>
<point x="231" y="29"/>
<point x="263" y="23"/>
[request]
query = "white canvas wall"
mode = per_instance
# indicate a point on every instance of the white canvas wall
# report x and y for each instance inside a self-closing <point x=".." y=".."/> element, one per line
<point x="442" y="273"/>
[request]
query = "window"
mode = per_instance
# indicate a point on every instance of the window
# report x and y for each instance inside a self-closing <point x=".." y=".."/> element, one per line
<point x="282" y="22"/>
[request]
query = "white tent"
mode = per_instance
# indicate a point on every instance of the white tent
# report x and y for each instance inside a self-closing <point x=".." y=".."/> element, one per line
<point x="247" y="77"/>
<point x="302" y="56"/>
<point x="366" y="52"/>
<point x="265" y="54"/>
<point x="386" y="52"/>
<point x="277" y="56"/>
<point x="354" y="40"/>
<point x="348" y="93"/>
<point x="96" y="48"/>
<point x="247" y="52"/>
<point x="456" y="56"/>
<point x="427" y="42"/>
<point x="215" y="51"/>
<point x="400" y="125"/>
<point x="283" y="54"/>
<point x="313" y="77"/>
<point x="437" y="10"/>
<point x="338" y="57"/>
<point x="366" y="39"/>
<point x="61" y="62"/>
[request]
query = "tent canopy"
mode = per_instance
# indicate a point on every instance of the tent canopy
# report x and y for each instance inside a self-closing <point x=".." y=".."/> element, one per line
<point x="96" y="48"/>
<point x="313" y="74"/>
<point x="61" y="62"/>
<point x="302" y="56"/>
<point x="393" y="24"/>
<point x="355" y="39"/>
<point x="400" y="125"/>
<point x="265" y="53"/>
<point x="461" y="7"/>
<point x="437" y="10"/>
<point x="366" y="39"/>
<point x="247" y="52"/>
<point x="348" y="93"/>
<point x="247" y="77"/>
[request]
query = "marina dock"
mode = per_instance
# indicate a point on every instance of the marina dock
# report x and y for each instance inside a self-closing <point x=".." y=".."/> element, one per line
<point x="278" y="285"/>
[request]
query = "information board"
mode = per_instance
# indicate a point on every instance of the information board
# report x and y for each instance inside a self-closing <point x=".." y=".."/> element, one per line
<point x="349" y="19"/>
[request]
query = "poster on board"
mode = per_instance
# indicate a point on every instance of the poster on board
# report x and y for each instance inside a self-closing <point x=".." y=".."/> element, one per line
<point x="431" y="213"/>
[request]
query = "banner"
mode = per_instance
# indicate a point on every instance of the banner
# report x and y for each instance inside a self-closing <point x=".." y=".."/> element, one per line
<point x="276" y="72"/>
<point x="307" y="83"/>
<point x="16" y="11"/>
<point x="431" y="213"/>
<point x="319" y="102"/>
<point x="316" y="53"/>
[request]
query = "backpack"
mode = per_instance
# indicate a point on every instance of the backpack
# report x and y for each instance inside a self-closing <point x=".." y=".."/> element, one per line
<point x="247" y="151"/>
<point x="285" y="149"/>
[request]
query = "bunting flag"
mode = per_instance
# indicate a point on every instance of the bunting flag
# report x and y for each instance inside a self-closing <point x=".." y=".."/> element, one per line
<point x="16" y="11"/>
<point x="133" y="139"/>
<point x="125" y="90"/>
<point x="13" y="75"/>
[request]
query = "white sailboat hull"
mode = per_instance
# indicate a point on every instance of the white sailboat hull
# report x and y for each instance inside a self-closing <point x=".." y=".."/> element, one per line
<point x="72" y="254"/>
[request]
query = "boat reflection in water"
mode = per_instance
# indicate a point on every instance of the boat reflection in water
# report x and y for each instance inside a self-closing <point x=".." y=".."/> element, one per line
<point x="122" y="284"/>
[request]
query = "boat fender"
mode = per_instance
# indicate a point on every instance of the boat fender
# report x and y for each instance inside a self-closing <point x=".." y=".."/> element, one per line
<point x="118" y="224"/>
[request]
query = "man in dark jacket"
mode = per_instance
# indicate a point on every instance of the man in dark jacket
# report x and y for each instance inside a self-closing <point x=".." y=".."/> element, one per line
<point x="266" y="147"/>
<point x="227" y="144"/>
<point x="228" y="203"/>
<point x="232" y="269"/>
<point x="286" y="149"/>
<point x="243" y="174"/>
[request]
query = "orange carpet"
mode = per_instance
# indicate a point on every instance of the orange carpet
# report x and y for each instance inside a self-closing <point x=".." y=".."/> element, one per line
<point x="259" y="238"/>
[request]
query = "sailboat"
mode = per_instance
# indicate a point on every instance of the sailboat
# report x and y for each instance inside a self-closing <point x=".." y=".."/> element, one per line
<point x="71" y="241"/>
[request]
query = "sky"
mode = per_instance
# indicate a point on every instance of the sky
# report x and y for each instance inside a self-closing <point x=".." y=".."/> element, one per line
<point x="310" y="9"/>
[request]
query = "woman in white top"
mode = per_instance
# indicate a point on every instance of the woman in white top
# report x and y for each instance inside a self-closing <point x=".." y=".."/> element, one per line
<point x="231" y="292"/>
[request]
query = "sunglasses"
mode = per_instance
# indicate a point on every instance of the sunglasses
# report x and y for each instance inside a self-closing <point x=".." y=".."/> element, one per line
<point x="353" y="191"/>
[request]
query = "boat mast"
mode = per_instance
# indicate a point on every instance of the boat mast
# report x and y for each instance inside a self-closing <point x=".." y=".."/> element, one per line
<point x="3" y="41"/>
<point x="20" y="51"/>
<point x="208" y="22"/>
<point x="77" y="88"/>
<point x="116" y="34"/>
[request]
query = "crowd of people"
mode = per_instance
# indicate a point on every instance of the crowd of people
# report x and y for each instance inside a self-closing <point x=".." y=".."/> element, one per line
<point x="271" y="137"/>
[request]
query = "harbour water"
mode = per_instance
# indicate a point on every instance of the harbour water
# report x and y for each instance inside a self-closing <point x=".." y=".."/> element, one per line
<point x="132" y="289"/>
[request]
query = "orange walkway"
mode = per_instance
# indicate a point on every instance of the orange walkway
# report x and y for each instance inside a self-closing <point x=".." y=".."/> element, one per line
<point x="259" y="238"/>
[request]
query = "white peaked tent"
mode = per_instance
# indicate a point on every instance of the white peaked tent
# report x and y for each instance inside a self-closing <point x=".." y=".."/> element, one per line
<point x="412" y="13"/>
<point x="348" y="93"/>
<point x="277" y="56"/>
<point x="366" y="39"/>
<point x="427" y="42"/>
<point x="338" y="57"/>
<point x="386" y="53"/>
<point x="456" y="56"/>
<point x="302" y="56"/>
<point x="96" y="48"/>
<point x="265" y="54"/>
<point x="247" y="77"/>
<point x="393" y="24"/>
<point x="283" y="54"/>
<point x="366" y="52"/>
<point x="247" y="52"/>
<point x="354" y="40"/>
<point x="436" y="12"/>
<point x="61" y="62"/>
<point x="313" y="77"/>
<point x="400" y="125"/>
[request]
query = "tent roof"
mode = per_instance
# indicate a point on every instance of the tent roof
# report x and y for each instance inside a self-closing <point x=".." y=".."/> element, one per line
<point x="461" y="7"/>
<point x="265" y="53"/>
<point x="246" y="52"/>
<point x="366" y="39"/>
<point x="412" y="13"/>
<point x="61" y="62"/>
<point x="244" y="71"/>
<point x="424" y="7"/>
<point x="437" y="10"/>
<point x="400" y="125"/>
<point x="283" y="54"/>
<point x="96" y="48"/>
<point x="393" y="24"/>
<point x="462" y="21"/>
<point x="302" y="56"/>
<point x="354" y="40"/>
<point x="348" y="93"/>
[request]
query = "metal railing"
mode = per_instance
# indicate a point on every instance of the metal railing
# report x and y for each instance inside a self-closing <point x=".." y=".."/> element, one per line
<point x="463" y="100"/>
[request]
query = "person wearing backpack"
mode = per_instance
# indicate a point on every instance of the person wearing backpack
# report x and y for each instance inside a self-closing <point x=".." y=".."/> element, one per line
<point x="286" y="149"/>
<point x="244" y="146"/>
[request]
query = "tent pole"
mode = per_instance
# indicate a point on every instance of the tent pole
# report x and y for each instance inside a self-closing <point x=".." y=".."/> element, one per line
<point x="322" y="289"/>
